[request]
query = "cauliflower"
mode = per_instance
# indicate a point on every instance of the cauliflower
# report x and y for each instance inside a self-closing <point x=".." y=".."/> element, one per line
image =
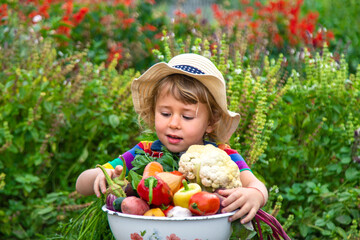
<point x="210" y="167"/>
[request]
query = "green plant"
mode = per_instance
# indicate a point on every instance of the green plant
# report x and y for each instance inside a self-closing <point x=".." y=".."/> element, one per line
<point x="340" y="17"/>
<point x="59" y="116"/>
<point x="312" y="142"/>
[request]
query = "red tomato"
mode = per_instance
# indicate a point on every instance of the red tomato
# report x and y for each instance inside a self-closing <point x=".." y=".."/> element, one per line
<point x="204" y="203"/>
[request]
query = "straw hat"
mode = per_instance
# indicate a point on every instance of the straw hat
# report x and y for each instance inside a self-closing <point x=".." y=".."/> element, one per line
<point x="198" y="67"/>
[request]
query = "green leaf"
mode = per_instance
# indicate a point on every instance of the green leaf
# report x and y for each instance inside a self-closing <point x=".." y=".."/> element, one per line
<point x="34" y="133"/>
<point x="345" y="160"/>
<point x="320" y="222"/>
<point x="168" y="160"/>
<point x="326" y="232"/>
<point x="344" y="219"/>
<point x="330" y="225"/>
<point x="306" y="121"/>
<point x="140" y="161"/>
<point x="9" y="84"/>
<point x="13" y="148"/>
<point x="345" y="150"/>
<point x="304" y="230"/>
<point x="341" y="232"/>
<point x="81" y="112"/>
<point x="44" y="85"/>
<point x="114" y="120"/>
<point x="26" y="178"/>
<point x="351" y="174"/>
<point x="84" y="155"/>
<point x="134" y="179"/>
<point x="48" y="106"/>
<point x="44" y="211"/>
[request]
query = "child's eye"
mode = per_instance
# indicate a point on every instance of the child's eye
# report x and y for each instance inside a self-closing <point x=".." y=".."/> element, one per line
<point x="188" y="118"/>
<point x="165" y="114"/>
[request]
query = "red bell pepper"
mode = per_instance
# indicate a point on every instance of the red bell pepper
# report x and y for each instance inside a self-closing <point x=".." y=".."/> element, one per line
<point x="155" y="191"/>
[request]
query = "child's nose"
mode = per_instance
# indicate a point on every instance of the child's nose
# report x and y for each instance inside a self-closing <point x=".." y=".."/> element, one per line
<point x="174" y="122"/>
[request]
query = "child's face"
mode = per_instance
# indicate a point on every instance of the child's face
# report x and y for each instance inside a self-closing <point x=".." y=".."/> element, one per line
<point x="179" y="125"/>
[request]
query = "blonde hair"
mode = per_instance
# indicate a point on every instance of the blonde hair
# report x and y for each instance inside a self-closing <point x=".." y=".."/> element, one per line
<point x="187" y="90"/>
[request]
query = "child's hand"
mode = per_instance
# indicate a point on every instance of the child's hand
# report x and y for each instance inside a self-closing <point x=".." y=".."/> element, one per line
<point x="100" y="184"/>
<point x="247" y="200"/>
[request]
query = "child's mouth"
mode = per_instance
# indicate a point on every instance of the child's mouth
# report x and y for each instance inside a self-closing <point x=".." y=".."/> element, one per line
<point x="173" y="139"/>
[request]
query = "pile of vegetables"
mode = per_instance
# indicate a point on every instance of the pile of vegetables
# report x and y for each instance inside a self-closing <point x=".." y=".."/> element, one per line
<point x="159" y="193"/>
<point x="172" y="187"/>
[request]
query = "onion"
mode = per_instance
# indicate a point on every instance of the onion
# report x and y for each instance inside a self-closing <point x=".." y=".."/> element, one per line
<point x="174" y="181"/>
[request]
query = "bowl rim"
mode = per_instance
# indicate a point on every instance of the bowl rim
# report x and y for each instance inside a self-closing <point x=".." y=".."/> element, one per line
<point x="193" y="218"/>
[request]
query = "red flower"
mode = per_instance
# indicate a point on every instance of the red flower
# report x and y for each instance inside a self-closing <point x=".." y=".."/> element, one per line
<point x="79" y="16"/>
<point x="180" y="14"/>
<point x="44" y="8"/>
<point x="66" y="29"/>
<point x="198" y="11"/>
<point x="149" y="27"/>
<point x="33" y="14"/>
<point x="249" y="11"/>
<point x="152" y="2"/>
<point x="322" y="37"/>
<point x="225" y="19"/>
<point x="127" y="2"/>
<point x="120" y="14"/>
<point x="68" y="7"/>
<point x="278" y="41"/>
<point x="127" y="22"/>
<point x="3" y="14"/>
<point x="42" y="11"/>
<point x="258" y="4"/>
<point x="115" y="53"/>
<point x="254" y="24"/>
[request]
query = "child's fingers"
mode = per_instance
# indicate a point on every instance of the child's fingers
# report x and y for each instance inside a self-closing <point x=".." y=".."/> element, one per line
<point x="240" y="213"/>
<point x="118" y="170"/>
<point x="249" y="216"/>
<point x="226" y="192"/>
<point x="102" y="184"/>
<point x="232" y="203"/>
<point x="232" y="196"/>
<point x="96" y="187"/>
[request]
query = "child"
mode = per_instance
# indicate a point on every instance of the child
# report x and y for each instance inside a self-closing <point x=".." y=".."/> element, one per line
<point x="184" y="101"/>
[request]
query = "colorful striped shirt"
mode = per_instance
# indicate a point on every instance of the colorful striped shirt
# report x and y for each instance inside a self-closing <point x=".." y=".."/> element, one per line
<point x="154" y="150"/>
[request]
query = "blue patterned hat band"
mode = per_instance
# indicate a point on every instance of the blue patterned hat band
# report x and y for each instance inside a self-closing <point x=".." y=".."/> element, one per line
<point x="189" y="69"/>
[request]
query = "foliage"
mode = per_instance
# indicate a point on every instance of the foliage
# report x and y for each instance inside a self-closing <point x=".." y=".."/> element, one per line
<point x="341" y="17"/>
<point x="131" y="29"/>
<point x="276" y="25"/>
<point x="106" y="28"/>
<point x="313" y="142"/>
<point x="59" y="116"/>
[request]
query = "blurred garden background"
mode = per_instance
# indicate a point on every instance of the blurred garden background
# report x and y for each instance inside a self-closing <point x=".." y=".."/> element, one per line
<point x="292" y="69"/>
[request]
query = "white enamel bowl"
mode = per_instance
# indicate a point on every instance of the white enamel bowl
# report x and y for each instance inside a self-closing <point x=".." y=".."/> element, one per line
<point x="127" y="226"/>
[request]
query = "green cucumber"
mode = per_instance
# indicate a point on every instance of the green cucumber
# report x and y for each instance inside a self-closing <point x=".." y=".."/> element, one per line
<point x="117" y="203"/>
